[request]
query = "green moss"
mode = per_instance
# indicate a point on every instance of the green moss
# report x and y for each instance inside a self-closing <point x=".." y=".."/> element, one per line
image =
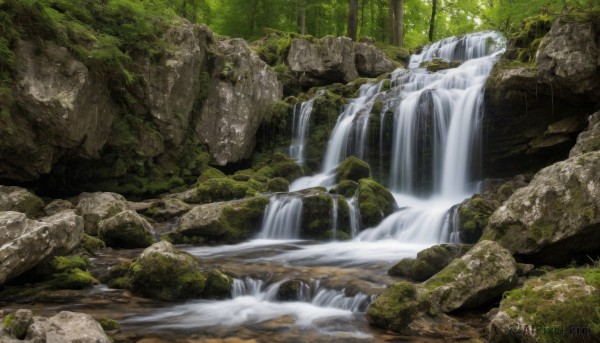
<point x="397" y="307"/>
<point x="278" y="184"/>
<point x="352" y="169"/>
<point x="7" y="320"/>
<point x="218" y="285"/>
<point x="73" y="279"/>
<point x="347" y="188"/>
<point x="210" y="173"/>
<point x="91" y="245"/>
<point x="473" y="217"/>
<point x="108" y="324"/>
<point x="438" y="64"/>
<point x="225" y="189"/>
<point x="375" y="202"/>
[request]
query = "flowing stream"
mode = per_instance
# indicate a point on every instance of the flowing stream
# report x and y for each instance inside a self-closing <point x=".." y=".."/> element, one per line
<point x="436" y="118"/>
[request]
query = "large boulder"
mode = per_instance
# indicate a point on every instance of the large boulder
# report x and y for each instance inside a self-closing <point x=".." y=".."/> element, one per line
<point x="330" y="59"/>
<point x="370" y="61"/>
<point x="126" y="230"/>
<point x="94" y="207"/>
<point x="20" y="200"/>
<point x="24" y="242"/>
<point x="375" y="202"/>
<point x="556" y="217"/>
<point x="66" y="107"/>
<point x="429" y="261"/>
<point x="165" y="273"/>
<point x="220" y="222"/>
<point x="588" y="140"/>
<point x="66" y="327"/>
<point x="234" y="107"/>
<point x="352" y="169"/>
<point x="322" y="213"/>
<point x="559" y="306"/>
<point x="398" y="307"/>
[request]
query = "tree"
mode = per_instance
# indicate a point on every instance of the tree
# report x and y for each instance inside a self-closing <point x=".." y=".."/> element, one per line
<point x="432" y="20"/>
<point x="353" y="19"/>
<point x="301" y="18"/>
<point x="397" y="22"/>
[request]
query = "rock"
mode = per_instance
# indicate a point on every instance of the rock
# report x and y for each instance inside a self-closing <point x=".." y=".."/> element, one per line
<point x="91" y="245"/>
<point x="223" y="222"/>
<point x="370" y="61"/>
<point x="126" y="230"/>
<point x="278" y="184"/>
<point x="218" y="285"/>
<point x="555" y="218"/>
<point x="331" y="59"/>
<point x="397" y="307"/>
<point x="224" y="188"/>
<point x="559" y="305"/>
<point x="234" y="107"/>
<point x="429" y="261"/>
<point x="67" y="327"/>
<point x="291" y="290"/>
<point x="375" y="202"/>
<point x="346" y="188"/>
<point x="588" y="140"/>
<point x="167" y="208"/>
<point x="438" y="64"/>
<point x="210" y="173"/>
<point x="165" y="273"/>
<point x="94" y="207"/>
<point x="18" y="323"/>
<point x="569" y="56"/>
<point x="317" y="215"/>
<point x="352" y="169"/>
<point x="20" y="200"/>
<point x="24" y="242"/>
<point x="285" y="167"/>
<point x="481" y="275"/>
<point x="66" y="107"/>
<point x="57" y="205"/>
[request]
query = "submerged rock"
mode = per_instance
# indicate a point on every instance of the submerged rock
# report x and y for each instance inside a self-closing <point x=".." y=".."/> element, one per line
<point x="555" y="218"/>
<point x="94" y="207"/>
<point x="126" y="229"/>
<point x="560" y="305"/>
<point x="20" y="200"/>
<point x="24" y="242"/>
<point x="429" y="261"/>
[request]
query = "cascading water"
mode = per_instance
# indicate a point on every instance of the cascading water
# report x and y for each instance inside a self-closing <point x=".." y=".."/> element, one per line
<point x="300" y="121"/>
<point x="282" y="217"/>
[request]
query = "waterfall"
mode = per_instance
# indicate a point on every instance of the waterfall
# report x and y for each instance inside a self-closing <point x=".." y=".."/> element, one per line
<point x="282" y="218"/>
<point x="300" y="123"/>
<point x="334" y="217"/>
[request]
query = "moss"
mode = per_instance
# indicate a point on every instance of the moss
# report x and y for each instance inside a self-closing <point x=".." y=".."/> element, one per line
<point x="266" y="171"/>
<point x="347" y="188"/>
<point x="285" y="167"/>
<point x="352" y="169"/>
<point x="7" y="320"/>
<point x="91" y="245"/>
<point x="397" y="307"/>
<point x="375" y="202"/>
<point x="210" y="173"/>
<point x="108" y="324"/>
<point x="73" y="279"/>
<point x="278" y="184"/>
<point x="240" y="222"/>
<point x="473" y="217"/>
<point x="225" y="189"/>
<point x="438" y="64"/>
<point x="218" y="285"/>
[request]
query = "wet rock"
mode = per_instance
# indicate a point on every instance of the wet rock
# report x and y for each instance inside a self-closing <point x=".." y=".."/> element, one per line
<point x="67" y="327"/>
<point x="559" y="305"/>
<point x="17" y="323"/>
<point x="481" y="275"/>
<point x="317" y="215"/>
<point x="588" y="140"/>
<point x="370" y="61"/>
<point x="165" y="209"/>
<point x="24" y="242"/>
<point x="438" y="64"/>
<point x="429" y="261"/>
<point x="346" y="188"/>
<point x="555" y="218"/>
<point x="375" y="202"/>
<point x="165" y="273"/>
<point x="20" y="200"/>
<point x="397" y="307"/>
<point x="57" y="205"/>
<point x="285" y="167"/>
<point x="94" y="207"/>
<point x="231" y="221"/>
<point x="291" y="290"/>
<point x="218" y="285"/>
<point x="90" y="245"/>
<point x="225" y="188"/>
<point x="352" y="169"/>
<point x="234" y="107"/>
<point x="126" y="229"/>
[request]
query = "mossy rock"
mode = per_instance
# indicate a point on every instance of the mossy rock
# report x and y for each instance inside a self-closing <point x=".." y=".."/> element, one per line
<point x="346" y="188"/>
<point x="17" y="323"/>
<point x="291" y="290"/>
<point x="108" y="324"/>
<point x="220" y="189"/>
<point x="317" y="214"/>
<point x="375" y="202"/>
<point x="116" y="277"/>
<point x="165" y="273"/>
<point x="285" y="167"/>
<point x="91" y="245"/>
<point x="473" y="216"/>
<point x="20" y="200"/>
<point x="126" y="230"/>
<point x="166" y="209"/>
<point x="218" y="285"/>
<point x="210" y="173"/>
<point x="397" y="307"/>
<point x="73" y="279"/>
<point x="438" y="64"/>
<point x="352" y="169"/>
<point x="278" y="184"/>
<point x="428" y="262"/>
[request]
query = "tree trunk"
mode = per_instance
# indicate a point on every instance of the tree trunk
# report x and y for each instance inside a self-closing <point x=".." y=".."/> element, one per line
<point x="302" y="18"/>
<point x="353" y="19"/>
<point x="396" y="22"/>
<point x="432" y="21"/>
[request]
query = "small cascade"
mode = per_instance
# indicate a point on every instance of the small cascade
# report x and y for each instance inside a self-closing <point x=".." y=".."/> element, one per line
<point x="338" y="299"/>
<point x="354" y="215"/>
<point x="300" y="123"/>
<point x="282" y="218"/>
<point x="334" y="217"/>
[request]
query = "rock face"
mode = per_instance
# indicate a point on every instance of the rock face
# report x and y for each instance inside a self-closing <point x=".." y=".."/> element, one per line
<point x="533" y="113"/>
<point x="126" y="230"/>
<point x="559" y="305"/>
<point x="66" y="327"/>
<point x="94" y="207"/>
<point x="66" y="108"/>
<point x="20" y="200"/>
<point x="588" y="140"/>
<point x="429" y="261"/>
<point x="481" y="275"/>
<point x="556" y="217"/>
<point x="233" y="91"/>
<point x="370" y="61"/>
<point x="25" y="242"/>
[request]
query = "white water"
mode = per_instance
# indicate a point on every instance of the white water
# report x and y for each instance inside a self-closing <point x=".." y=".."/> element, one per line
<point x="300" y="124"/>
<point x="446" y="106"/>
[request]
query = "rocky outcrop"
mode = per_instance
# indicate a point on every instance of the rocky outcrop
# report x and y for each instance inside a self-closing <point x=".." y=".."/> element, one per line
<point x="370" y="61"/>
<point x="533" y="112"/>
<point x="230" y="221"/>
<point x="126" y="230"/>
<point x="429" y="261"/>
<point x="94" y="207"/>
<point x="480" y="276"/>
<point x="20" y="200"/>
<point x="24" y="242"/>
<point x="556" y="217"/>
<point x="559" y="305"/>
<point x="66" y="327"/>
<point x="588" y="140"/>
<point x="234" y="107"/>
